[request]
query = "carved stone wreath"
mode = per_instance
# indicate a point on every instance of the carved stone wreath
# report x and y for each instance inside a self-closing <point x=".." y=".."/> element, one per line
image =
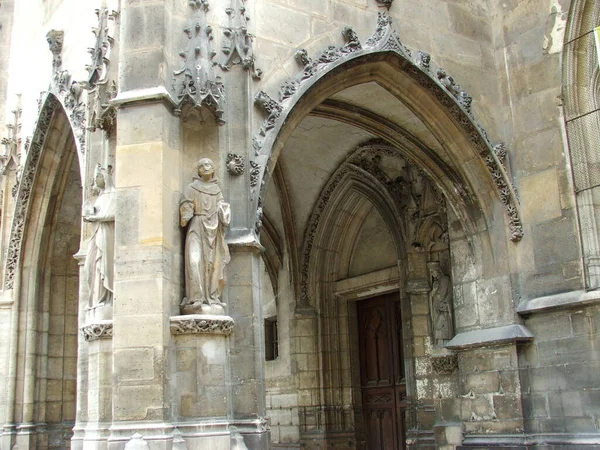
<point x="456" y="101"/>
<point x="201" y="324"/>
<point x="100" y="330"/>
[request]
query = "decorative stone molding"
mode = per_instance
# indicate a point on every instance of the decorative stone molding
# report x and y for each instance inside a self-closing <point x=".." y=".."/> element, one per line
<point x="195" y="83"/>
<point x="237" y="42"/>
<point x="55" y="40"/>
<point x="386" y="3"/>
<point x="271" y="107"/>
<point x="25" y="187"/>
<point x="254" y="173"/>
<point x="441" y="86"/>
<point x="69" y="93"/>
<point x="236" y="164"/>
<point x="201" y="324"/>
<point x="99" y="330"/>
<point x="444" y="365"/>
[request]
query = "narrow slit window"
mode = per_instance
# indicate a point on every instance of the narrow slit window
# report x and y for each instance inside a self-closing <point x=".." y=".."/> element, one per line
<point x="271" y="339"/>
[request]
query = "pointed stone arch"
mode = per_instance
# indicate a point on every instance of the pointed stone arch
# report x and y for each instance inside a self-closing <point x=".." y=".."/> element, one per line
<point x="472" y="169"/>
<point x="41" y="278"/>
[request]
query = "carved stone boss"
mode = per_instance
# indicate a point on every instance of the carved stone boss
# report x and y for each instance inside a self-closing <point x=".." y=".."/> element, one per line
<point x="205" y="215"/>
<point x="442" y="86"/>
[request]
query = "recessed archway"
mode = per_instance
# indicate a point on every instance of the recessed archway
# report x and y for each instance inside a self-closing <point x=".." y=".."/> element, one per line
<point x="44" y="279"/>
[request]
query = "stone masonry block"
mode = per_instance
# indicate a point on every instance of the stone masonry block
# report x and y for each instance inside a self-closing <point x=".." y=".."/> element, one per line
<point x="482" y="383"/>
<point x="134" y="364"/>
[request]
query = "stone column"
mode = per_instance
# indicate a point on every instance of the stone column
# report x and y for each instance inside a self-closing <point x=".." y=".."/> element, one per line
<point x="247" y="348"/>
<point x="147" y="237"/>
<point x="147" y="270"/>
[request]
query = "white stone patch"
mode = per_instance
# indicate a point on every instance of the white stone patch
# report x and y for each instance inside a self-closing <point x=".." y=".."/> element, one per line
<point x="555" y="28"/>
<point x="423" y="388"/>
<point x="422" y="367"/>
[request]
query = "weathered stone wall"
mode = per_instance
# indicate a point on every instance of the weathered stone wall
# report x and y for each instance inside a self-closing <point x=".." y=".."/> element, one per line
<point x="559" y="372"/>
<point x="528" y="53"/>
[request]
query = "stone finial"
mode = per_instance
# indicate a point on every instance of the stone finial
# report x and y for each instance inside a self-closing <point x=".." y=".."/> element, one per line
<point x="55" y="40"/>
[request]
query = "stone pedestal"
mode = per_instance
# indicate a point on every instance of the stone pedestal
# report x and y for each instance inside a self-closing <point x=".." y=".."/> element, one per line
<point x="199" y="388"/>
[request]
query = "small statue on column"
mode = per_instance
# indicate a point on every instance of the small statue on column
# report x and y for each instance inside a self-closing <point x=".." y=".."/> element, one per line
<point x="206" y="215"/>
<point x="440" y="305"/>
<point x="100" y="258"/>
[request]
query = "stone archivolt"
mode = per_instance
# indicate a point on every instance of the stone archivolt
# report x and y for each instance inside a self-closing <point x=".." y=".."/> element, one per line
<point x="456" y="101"/>
<point x="415" y="198"/>
<point x="25" y="187"/>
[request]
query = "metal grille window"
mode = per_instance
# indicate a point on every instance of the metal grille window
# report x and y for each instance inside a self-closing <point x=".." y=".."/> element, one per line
<point x="581" y="93"/>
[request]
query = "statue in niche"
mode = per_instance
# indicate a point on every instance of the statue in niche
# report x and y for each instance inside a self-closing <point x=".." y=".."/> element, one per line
<point x="206" y="215"/>
<point x="440" y="304"/>
<point x="99" y="262"/>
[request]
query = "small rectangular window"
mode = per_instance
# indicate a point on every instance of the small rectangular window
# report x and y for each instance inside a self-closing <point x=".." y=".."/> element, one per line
<point x="271" y="339"/>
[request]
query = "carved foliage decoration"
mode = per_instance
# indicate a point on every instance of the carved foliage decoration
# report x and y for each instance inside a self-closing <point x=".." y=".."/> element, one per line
<point x="204" y="324"/>
<point x="101" y="90"/>
<point x="441" y="86"/>
<point x="94" y="331"/>
<point x="237" y="42"/>
<point x="236" y="164"/>
<point x="195" y="83"/>
<point x="25" y="188"/>
<point x="100" y="53"/>
<point x="386" y="3"/>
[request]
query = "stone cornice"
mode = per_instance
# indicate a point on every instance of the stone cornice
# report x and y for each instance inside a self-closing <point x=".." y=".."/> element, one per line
<point x="486" y="337"/>
<point x="572" y="299"/>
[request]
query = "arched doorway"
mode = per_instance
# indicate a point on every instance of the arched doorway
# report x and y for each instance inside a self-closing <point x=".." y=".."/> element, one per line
<point x="44" y="279"/>
<point x="375" y="176"/>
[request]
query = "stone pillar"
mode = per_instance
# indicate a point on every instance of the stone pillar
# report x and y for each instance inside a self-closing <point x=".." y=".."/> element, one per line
<point x="147" y="237"/>
<point x="247" y="348"/>
<point x="147" y="271"/>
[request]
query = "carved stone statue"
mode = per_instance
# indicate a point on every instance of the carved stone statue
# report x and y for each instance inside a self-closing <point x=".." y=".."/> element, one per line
<point x="99" y="262"/>
<point x="440" y="304"/>
<point x="206" y="216"/>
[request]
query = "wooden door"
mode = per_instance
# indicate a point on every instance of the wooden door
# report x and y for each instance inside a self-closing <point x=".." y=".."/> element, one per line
<point x="383" y="384"/>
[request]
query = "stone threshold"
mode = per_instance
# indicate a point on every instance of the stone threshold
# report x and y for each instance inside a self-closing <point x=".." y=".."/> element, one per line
<point x="490" y="336"/>
<point x="572" y="299"/>
<point x="512" y="440"/>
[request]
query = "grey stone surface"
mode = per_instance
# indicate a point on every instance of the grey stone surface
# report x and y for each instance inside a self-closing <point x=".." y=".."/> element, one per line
<point x="490" y="336"/>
